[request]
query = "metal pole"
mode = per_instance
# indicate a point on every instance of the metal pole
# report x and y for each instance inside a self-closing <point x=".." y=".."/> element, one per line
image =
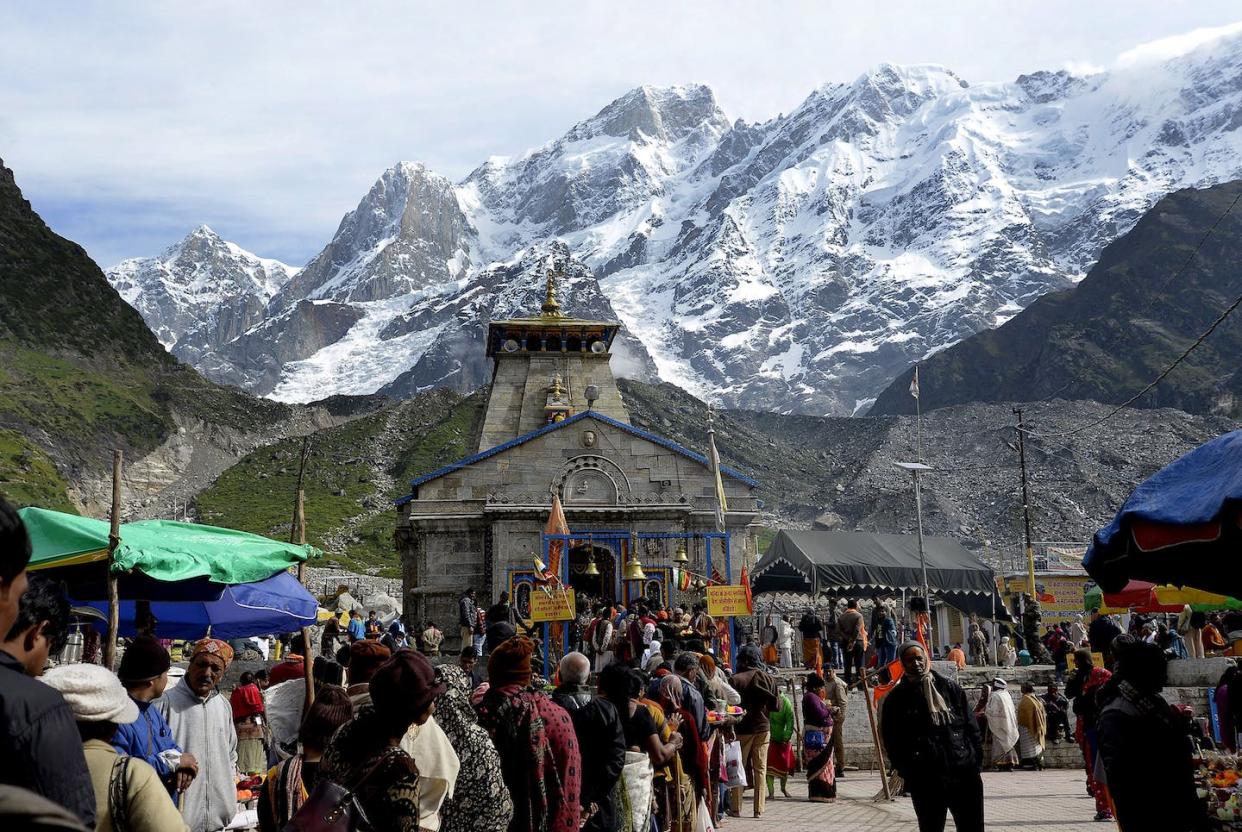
<point x="1026" y="508"/>
<point x="918" y="511"/>
<point x="114" y="540"/>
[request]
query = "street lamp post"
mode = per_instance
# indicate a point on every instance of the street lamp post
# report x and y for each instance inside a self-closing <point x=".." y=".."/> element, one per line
<point x="915" y="469"/>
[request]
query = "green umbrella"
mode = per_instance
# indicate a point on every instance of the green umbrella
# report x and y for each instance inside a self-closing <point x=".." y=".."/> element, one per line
<point x="161" y="550"/>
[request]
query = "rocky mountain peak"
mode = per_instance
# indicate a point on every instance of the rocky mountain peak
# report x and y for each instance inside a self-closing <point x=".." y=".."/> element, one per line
<point x="665" y="114"/>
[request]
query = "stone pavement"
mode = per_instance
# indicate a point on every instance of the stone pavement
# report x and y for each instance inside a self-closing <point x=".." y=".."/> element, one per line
<point x="1044" y="801"/>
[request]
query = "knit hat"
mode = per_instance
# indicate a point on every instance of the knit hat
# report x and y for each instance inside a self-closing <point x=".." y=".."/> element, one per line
<point x="906" y="645"/>
<point x="509" y="663"/>
<point x="93" y="693"/>
<point x="330" y="710"/>
<point x="365" y="657"/>
<point x="405" y="685"/>
<point x="144" y="660"/>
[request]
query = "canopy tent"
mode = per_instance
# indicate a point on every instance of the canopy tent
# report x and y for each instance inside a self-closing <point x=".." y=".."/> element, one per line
<point x="1146" y="597"/>
<point x="865" y="563"/>
<point x="276" y="605"/>
<point x="157" y="559"/>
<point x="1180" y="526"/>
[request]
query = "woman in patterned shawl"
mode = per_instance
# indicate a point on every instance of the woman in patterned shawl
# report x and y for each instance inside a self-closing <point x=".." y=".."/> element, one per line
<point x="535" y="739"/>
<point x="480" y="801"/>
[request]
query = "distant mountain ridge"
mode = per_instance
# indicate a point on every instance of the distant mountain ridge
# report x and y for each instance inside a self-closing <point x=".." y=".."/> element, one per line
<point x="1134" y="313"/>
<point x="797" y="264"/>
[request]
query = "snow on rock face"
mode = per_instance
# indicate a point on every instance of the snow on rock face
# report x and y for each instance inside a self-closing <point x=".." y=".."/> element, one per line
<point x="202" y="284"/>
<point x="797" y="264"/>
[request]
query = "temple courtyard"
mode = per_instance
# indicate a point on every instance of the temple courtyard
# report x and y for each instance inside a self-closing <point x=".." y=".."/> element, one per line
<point x="1045" y="801"/>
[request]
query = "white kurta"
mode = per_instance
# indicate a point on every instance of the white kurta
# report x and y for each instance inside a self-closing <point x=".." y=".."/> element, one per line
<point x="204" y="728"/>
<point x="1002" y="722"/>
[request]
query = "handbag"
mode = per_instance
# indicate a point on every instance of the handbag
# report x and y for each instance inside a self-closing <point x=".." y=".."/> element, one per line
<point x="814" y="740"/>
<point x="331" y="807"/>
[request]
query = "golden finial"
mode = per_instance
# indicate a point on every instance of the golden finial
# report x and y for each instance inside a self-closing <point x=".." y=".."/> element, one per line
<point x="550" y="308"/>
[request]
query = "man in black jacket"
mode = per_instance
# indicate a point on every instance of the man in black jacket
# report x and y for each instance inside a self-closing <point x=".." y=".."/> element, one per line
<point x="1100" y="633"/>
<point x="933" y="742"/>
<point x="601" y="739"/>
<point x="40" y="749"/>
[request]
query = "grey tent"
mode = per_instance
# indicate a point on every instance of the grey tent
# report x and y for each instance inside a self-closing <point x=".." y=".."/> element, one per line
<point x="863" y="563"/>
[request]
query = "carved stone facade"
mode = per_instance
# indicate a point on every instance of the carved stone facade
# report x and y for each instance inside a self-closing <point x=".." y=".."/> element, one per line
<point x="479" y="522"/>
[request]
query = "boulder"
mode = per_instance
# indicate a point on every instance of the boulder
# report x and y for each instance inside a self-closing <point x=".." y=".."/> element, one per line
<point x="386" y="607"/>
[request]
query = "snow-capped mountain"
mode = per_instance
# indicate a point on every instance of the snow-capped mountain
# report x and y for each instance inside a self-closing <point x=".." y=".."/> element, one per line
<point x="797" y="264"/>
<point x="203" y="289"/>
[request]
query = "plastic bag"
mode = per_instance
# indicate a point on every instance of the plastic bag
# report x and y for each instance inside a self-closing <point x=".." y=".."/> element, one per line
<point x="703" y="818"/>
<point x="735" y="766"/>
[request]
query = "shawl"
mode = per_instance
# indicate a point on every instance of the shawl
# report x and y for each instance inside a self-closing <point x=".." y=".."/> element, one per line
<point x="357" y="750"/>
<point x="438" y="767"/>
<point x="1032" y="717"/>
<point x="480" y="802"/>
<point x="1002" y="722"/>
<point x="543" y="783"/>
<point x="936" y="707"/>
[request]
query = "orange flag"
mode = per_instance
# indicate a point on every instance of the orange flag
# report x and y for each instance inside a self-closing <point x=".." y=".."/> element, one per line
<point x="744" y="580"/>
<point x="556" y="525"/>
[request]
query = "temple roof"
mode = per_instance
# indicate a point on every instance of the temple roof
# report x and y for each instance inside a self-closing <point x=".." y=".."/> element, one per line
<point x="546" y="429"/>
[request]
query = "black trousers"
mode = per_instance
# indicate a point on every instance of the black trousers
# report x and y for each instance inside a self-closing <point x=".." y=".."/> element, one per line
<point x="962" y="796"/>
<point x="1059" y="721"/>
<point x="853" y="659"/>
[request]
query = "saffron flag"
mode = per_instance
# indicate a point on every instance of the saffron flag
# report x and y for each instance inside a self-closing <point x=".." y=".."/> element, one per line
<point x="750" y="599"/>
<point x="914" y="383"/>
<point x="556" y="525"/>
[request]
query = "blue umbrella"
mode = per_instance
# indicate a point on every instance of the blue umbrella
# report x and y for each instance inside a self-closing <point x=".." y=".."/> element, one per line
<point x="278" y="604"/>
<point x="1180" y="526"/>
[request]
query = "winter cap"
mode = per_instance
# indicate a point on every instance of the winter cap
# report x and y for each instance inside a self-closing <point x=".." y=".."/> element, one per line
<point x="405" y="685"/>
<point x="93" y="693"/>
<point x="145" y="659"/>
<point x="365" y="657"/>
<point x="509" y="663"/>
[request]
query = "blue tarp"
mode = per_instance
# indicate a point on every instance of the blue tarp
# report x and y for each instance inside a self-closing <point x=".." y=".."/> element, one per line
<point x="1203" y="486"/>
<point x="277" y="605"/>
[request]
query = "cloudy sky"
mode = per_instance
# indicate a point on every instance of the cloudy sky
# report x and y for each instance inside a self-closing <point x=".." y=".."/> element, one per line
<point x="129" y="123"/>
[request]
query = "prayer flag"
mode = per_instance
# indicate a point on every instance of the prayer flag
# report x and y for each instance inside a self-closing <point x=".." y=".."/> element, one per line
<point x="556" y="525"/>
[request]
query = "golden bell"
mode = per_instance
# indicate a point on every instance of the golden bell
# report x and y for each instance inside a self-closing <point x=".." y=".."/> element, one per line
<point x="680" y="555"/>
<point x="540" y="566"/>
<point x="634" y="570"/>
<point x="591" y="568"/>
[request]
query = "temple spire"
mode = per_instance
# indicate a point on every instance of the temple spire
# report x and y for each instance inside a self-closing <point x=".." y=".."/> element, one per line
<point x="550" y="307"/>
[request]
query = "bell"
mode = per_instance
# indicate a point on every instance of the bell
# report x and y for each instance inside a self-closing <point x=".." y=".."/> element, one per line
<point x="634" y="570"/>
<point x="680" y="555"/>
<point x="540" y="566"/>
<point x="591" y="568"/>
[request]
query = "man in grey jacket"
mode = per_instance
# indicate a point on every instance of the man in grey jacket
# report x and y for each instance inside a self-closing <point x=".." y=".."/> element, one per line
<point x="202" y="724"/>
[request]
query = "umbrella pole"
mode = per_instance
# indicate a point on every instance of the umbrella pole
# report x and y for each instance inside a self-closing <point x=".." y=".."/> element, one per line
<point x="114" y="539"/>
<point x="308" y="659"/>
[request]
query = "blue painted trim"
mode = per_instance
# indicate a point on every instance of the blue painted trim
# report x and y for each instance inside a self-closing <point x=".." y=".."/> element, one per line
<point x="667" y="444"/>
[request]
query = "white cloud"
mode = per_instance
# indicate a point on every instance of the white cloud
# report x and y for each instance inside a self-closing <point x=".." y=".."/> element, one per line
<point x="1176" y="45"/>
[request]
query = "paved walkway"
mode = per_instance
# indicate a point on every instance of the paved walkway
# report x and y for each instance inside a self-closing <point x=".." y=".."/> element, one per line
<point x="1043" y="801"/>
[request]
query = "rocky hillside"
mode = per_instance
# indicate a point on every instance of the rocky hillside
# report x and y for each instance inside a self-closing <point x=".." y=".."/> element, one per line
<point x="797" y="264"/>
<point x="81" y="374"/>
<point x="1137" y="310"/>
<point x="834" y="471"/>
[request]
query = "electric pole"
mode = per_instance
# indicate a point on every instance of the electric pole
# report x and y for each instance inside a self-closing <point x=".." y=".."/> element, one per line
<point x="1026" y="507"/>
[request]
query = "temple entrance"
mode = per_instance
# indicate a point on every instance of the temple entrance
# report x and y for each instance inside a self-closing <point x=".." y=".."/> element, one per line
<point x="592" y="589"/>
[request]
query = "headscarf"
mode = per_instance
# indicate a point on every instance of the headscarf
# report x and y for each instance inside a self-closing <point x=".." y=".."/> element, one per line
<point x="480" y="801"/>
<point x="670" y="689"/>
<point x="936" y="707"/>
<point x="653" y="650"/>
<point x="214" y="647"/>
<point x="708" y="664"/>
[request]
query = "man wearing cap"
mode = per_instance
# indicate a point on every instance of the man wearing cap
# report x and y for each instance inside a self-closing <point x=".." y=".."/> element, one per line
<point x="365" y="657"/>
<point x="127" y="792"/>
<point x="542" y="768"/>
<point x="202" y="724"/>
<point x="933" y="742"/>
<point x="40" y="749"/>
<point x="144" y="673"/>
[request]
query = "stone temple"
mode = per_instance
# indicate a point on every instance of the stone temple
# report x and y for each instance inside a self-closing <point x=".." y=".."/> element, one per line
<point x="556" y="424"/>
